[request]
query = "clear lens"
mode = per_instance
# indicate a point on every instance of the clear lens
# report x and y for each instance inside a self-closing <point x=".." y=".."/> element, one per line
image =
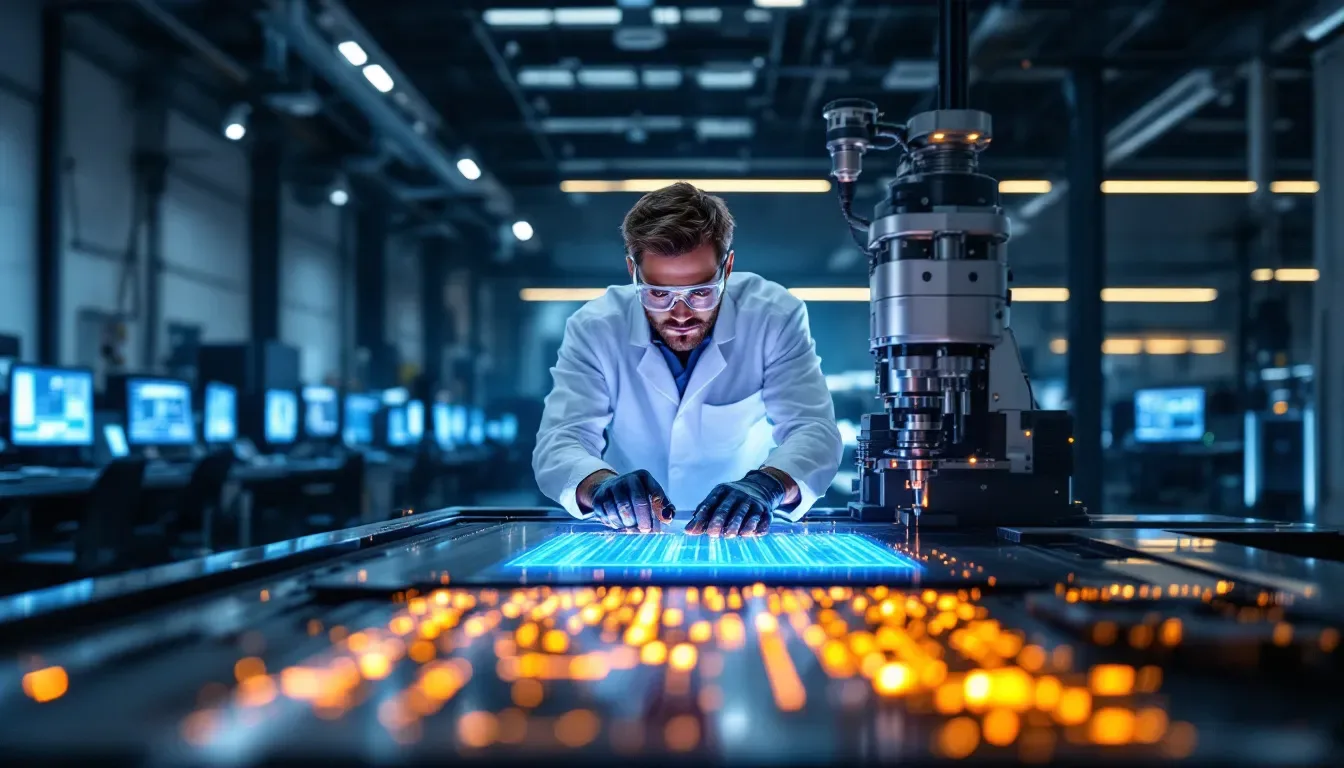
<point x="699" y="298"/>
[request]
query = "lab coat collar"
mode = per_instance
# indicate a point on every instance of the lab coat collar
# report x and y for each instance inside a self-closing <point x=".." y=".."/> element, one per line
<point x="724" y="329"/>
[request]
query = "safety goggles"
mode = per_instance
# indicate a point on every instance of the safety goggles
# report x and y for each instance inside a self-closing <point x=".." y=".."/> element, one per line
<point x="700" y="298"/>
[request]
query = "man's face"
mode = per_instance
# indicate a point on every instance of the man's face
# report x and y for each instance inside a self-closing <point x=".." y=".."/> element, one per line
<point x="682" y="328"/>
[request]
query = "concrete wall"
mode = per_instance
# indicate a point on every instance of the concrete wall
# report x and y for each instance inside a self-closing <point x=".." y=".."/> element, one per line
<point x="403" y="299"/>
<point x="19" y="66"/>
<point x="204" y="226"/>
<point x="312" y="279"/>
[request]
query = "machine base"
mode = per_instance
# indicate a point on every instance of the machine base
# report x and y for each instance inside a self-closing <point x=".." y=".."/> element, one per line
<point x="971" y="498"/>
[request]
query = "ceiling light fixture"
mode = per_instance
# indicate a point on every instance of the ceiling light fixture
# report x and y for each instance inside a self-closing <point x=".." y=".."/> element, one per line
<point x="560" y="294"/>
<point x="522" y="230"/>
<point x="1024" y="187"/>
<point x="379" y="78"/>
<point x="594" y="186"/>
<point x="353" y="53"/>
<point x="469" y="169"/>
<point x="1159" y="295"/>
<point x="1163" y="187"/>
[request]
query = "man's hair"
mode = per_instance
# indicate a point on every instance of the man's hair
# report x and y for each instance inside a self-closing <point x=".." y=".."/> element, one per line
<point x="675" y="220"/>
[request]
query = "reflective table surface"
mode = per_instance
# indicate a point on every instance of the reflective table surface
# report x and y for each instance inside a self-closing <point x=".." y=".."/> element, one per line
<point x="522" y="635"/>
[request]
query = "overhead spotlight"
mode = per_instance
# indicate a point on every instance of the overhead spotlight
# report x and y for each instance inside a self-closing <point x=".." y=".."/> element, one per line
<point x="353" y="53"/>
<point x="469" y="169"/>
<point x="378" y="76"/>
<point x="235" y="122"/>
<point x="522" y="230"/>
<point x="338" y="195"/>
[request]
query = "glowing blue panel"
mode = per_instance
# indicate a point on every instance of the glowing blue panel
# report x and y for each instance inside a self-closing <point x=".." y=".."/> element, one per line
<point x="779" y="551"/>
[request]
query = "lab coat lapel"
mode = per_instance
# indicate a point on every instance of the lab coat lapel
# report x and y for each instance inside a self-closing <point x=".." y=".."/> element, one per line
<point x="712" y="361"/>
<point x="653" y="368"/>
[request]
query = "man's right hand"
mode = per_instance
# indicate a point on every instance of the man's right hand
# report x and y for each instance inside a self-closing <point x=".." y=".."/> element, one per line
<point x="632" y="502"/>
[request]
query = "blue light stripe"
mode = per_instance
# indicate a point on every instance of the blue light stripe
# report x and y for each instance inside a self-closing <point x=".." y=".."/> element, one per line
<point x="781" y="550"/>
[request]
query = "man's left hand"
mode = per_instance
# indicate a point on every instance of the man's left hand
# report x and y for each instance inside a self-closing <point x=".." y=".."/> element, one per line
<point x="741" y="508"/>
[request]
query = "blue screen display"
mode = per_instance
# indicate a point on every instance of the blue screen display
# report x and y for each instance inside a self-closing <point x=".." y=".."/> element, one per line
<point x="158" y="412"/>
<point x="282" y="416"/>
<point x="221" y="413"/>
<point x="321" y="412"/>
<point x="457" y="421"/>
<point x="50" y="407"/>
<point x="476" y="427"/>
<point x="397" y="434"/>
<point x="415" y="420"/>
<point x="359" y="413"/>
<point x="508" y="428"/>
<point x="1169" y="415"/>
<point x="116" y="440"/>
<point x="443" y="426"/>
<point x="781" y="551"/>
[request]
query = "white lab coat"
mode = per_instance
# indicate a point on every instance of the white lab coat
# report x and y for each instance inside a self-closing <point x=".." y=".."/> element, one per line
<point x="756" y="397"/>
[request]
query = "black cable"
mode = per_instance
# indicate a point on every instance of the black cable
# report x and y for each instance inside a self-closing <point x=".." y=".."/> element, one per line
<point x="858" y="226"/>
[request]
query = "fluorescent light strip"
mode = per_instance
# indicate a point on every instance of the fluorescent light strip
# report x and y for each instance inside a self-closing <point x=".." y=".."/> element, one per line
<point x="830" y="294"/>
<point x="707" y="185"/>
<point x="1040" y="294"/>
<point x="779" y="3"/>
<point x="1262" y="275"/>
<point x="589" y="17"/>
<point x="1024" y="187"/>
<point x="1159" y="295"/>
<point x="1318" y="31"/>
<point x="1155" y="345"/>
<point x="353" y="53"/>
<point x="1295" y="187"/>
<point x="519" y="17"/>
<point x="378" y="76"/>
<point x="1299" y="275"/>
<point x="1152" y="187"/>
<point x="560" y="294"/>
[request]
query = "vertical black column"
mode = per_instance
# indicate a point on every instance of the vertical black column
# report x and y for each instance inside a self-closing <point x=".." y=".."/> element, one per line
<point x="953" y="55"/>
<point x="50" y="164"/>
<point x="371" y="290"/>
<point x="433" y="317"/>
<point x="1087" y="254"/>
<point x="264" y="210"/>
<point x="151" y="176"/>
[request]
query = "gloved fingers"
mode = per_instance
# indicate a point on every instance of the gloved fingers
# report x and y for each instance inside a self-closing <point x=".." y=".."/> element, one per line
<point x="763" y="527"/>
<point x="643" y="505"/>
<point x="735" y="517"/>
<point x="625" y="506"/>
<point x="725" y="510"/>
<point x="663" y="511"/>
<point x="700" y="520"/>
<point x="750" y="523"/>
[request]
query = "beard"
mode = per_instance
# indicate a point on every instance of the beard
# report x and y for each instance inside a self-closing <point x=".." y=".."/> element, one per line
<point x="682" y="337"/>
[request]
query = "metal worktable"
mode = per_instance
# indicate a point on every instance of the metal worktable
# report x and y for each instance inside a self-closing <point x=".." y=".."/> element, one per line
<point x="522" y="634"/>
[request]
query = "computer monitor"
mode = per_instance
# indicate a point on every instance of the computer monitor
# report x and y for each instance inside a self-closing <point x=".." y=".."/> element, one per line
<point x="508" y="428"/>
<point x="50" y="407"/>
<point x="457" y="423"/>
<point x="395" y="396"/>
<point x="397" y="434"/>
<point x="359" y="412"/>
<point x="415" y="420"/>
<point x="221" y="413"/>
<point x="443" y="425"/>
<point x="282" y="416"/>
<point x="321" y="412"/>
<point x="158" y="412"/>
<point x="476" y="427"/>
<point x="1169" y="415"/>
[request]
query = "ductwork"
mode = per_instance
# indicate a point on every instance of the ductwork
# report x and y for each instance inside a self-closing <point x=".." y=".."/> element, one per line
<point x="292" y="19"/>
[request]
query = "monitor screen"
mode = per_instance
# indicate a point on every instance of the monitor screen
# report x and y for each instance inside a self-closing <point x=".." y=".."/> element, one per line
<point x="282" y="416"/>
<point x="359" y="413"/>
<point x="415" y="420"/>
<point x="443" y="426"/>
<point x="50" y="407"/>
<point x="321" y="412"/>
<point x="221" y="413"/>
<point x="493" y="431"/>
<point x="1168" y="415"/>
<point x="397" y="434"/>
<point x="476" y="427"/>
<point x="395" y="396"/>
<point x="158" y="412"/>
<point x="457" y="423"/>
<point x="508" y="428"/>
<point x="116" y="440"/>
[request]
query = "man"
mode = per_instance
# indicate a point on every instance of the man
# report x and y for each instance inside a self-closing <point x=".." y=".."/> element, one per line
<point x="692" y="387"/>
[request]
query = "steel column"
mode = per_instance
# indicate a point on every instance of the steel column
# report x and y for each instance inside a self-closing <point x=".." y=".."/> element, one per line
<point x="953" y="55"/>
<point x="264" y="212"/>
<point x="433" y="317"/>
<point x="1087" y="254"/>
<point x="1327" y="417"/>
<point x="50" y="164"/>
<point x="371" y="288"/>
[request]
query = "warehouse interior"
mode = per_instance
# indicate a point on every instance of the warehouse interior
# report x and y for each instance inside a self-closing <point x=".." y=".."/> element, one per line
<point x="287" y="283"/>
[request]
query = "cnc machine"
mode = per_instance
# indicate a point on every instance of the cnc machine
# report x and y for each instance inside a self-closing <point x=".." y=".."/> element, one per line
<point x="960" y="441"/>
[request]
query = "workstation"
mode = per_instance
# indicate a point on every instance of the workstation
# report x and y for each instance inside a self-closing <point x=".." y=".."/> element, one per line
<point x="938" y="473"/>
